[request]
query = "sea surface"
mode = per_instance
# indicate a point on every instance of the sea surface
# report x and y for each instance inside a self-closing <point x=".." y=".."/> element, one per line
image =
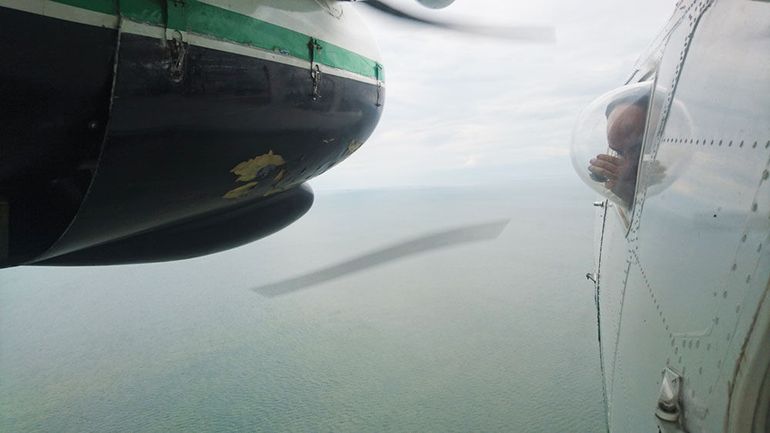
<point x="496" y="336"/>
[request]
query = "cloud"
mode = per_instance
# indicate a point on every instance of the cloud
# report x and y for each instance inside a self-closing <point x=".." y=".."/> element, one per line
<point x="479" y="106"/>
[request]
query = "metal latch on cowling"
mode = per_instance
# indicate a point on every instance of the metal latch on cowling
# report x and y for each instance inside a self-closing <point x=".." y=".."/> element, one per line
<point x="314" y="46"/>
<point x="176" y="25"/>
<point x="380" y="78"/>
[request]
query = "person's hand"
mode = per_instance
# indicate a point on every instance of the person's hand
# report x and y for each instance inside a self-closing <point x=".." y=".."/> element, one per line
<point x="617" y="174"/>
<point x="608" y="168"/>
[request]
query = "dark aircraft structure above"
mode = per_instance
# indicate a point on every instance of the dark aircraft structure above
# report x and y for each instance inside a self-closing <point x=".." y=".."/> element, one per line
<point x="141" y="131"/>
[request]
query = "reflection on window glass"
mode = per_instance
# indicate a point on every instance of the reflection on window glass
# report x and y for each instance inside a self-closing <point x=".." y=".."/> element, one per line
<point x="607" y="141"/>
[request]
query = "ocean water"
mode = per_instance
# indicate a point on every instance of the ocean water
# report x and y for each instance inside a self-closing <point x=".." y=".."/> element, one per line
<point x="498" y="336"/>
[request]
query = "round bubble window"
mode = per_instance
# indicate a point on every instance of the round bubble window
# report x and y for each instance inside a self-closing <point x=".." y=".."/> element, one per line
<point x="607" y="141"/>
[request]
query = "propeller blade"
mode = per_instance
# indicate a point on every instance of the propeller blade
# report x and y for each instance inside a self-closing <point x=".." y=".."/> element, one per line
<point x="463" y="235"/>
<point x="534" y="34"/>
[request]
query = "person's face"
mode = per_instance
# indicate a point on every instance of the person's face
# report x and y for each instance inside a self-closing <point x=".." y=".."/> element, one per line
<point x="625" y="128"/>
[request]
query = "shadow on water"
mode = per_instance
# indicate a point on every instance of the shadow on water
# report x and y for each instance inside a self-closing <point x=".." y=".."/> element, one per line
<point x="496" y="335"/>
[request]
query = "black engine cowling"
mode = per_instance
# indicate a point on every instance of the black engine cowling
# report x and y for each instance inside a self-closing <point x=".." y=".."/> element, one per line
<point x="118" y="152"/>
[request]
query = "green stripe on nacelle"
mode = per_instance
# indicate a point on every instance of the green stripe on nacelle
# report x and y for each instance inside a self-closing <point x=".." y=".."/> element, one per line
<point x="207" y="20"/>
<point x="142" y="11"/>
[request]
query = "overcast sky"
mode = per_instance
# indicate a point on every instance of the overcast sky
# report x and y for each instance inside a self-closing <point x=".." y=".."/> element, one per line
<point x="467" y="110"/>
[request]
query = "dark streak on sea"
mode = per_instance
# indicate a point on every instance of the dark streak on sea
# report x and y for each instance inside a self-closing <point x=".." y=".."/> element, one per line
<point x="497" y="336"/>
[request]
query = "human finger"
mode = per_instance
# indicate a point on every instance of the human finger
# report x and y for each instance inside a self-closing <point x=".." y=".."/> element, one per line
<point x="606" y="165"/>
<point x="611" y="159"/>
<point x="601" y="172"/>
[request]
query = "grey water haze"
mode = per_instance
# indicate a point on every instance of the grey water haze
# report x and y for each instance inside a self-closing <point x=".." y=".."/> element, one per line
<point x="491" y="336"/>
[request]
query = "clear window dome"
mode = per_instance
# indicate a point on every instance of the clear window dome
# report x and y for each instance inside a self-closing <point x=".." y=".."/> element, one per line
<point x="607" y="141"/>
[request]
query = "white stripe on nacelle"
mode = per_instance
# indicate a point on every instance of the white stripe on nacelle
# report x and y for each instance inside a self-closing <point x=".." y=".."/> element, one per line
<point x="336" y="29"/>
<point x="243" y="50"/>
<point x="328" y="20"/>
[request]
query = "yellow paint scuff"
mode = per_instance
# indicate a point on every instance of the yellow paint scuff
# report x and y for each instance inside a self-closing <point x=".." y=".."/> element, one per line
<point x="240" y="191"/>
<point x="278" y="177"/>
<point x="248" y="170"/>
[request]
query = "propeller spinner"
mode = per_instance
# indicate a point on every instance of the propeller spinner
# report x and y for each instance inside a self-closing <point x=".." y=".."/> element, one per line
<point x="436" y="4"/>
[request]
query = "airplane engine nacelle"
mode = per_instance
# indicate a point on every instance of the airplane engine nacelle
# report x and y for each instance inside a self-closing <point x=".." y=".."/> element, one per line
<point x="144" y="146"/>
